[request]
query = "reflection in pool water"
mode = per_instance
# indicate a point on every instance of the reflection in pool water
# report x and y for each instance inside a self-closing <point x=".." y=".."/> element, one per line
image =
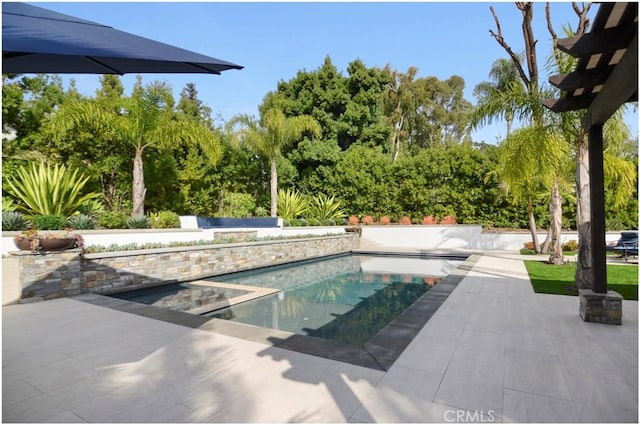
<point x="348" y="298"/>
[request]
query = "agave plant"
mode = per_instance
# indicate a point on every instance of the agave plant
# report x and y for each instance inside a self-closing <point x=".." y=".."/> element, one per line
<point x="92" y="207"/>
<point x="139" y="222"/>
<point x="323" y="207"/>
<point x="48" y="190"/>
<point x="82" y="222"/>
<point x="13" y="220"/>
<point x="291" y="204"/>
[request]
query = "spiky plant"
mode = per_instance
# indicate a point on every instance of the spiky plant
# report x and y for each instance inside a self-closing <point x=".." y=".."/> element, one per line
<point x="82" y="222"/>
<point x="48" y="190"/>
<point x="14" y="220"/>
<point x="291" y="204"/>
<point x="7" y="204"/>
<point x="92" y="208"/>
<point x="139" y="222"/>
<point x="324" y="207"/>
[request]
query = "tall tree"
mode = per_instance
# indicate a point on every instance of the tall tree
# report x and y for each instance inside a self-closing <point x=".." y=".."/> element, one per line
<point x="528" y="104"/>
<point x="26" y="102"/>
<point x="504" y="80"/>
<point x="192" y="107"/>
<point x="145" y="121"/>
<point x="270" y="136"/>
<point x="399" y="103"/>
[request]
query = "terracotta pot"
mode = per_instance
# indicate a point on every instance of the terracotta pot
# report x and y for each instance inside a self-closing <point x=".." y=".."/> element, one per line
<point x="57" y="244"/>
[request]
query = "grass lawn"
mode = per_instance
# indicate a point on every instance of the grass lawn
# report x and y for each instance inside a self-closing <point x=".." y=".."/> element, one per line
<point x="565" y="253"/>
<point x="550" y="279"/>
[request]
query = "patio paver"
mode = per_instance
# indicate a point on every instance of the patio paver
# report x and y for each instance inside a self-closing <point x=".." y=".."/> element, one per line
<point x="494" y="351"/>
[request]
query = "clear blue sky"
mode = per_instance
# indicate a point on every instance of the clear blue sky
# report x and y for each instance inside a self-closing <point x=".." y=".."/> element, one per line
<point x="275" y="40"/>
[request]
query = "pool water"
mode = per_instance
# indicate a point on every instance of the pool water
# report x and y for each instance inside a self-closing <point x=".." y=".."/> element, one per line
<point x="348" y="298"/>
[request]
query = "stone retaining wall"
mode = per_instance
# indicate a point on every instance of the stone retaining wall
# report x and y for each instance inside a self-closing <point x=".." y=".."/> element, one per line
<point x="66" y="273"/>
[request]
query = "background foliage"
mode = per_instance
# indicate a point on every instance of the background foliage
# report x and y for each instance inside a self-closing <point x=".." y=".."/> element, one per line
<point x="392" y="145"/>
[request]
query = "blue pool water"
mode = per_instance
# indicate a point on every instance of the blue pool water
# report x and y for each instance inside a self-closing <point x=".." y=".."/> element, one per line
<point x="348" y="298"/>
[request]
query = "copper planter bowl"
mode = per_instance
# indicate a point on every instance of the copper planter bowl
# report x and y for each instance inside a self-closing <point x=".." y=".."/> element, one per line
<point x="57" y="244"/>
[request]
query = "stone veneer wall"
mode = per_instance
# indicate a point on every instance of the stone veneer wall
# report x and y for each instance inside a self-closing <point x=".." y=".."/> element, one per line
<point x="66" y="273"/>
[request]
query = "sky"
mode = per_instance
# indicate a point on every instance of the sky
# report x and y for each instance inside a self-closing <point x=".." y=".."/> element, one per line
<point x="273" y="41"/>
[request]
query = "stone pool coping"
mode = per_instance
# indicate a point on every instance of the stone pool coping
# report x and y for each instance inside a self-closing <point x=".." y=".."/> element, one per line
<point x="379" y="353"/>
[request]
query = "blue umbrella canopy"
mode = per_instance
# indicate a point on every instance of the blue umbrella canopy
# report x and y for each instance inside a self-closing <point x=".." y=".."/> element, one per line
<point x="37" y="40"/>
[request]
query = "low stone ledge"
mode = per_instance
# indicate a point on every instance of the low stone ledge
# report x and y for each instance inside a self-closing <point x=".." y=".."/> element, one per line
<point x="44" y="276"/>
<point x="601" y="308"/>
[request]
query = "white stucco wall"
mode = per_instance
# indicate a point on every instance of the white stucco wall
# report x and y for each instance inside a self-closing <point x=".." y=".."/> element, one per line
<point x="434" y="237"/>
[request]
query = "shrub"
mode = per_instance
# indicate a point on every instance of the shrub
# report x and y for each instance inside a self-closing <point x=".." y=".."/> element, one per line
<point x="291" y="204"/>
<point x="353" y="220"/>
<point x="342" y="221"/>
<point x="448" y="220"/>
<point x="261" y="212"/>
<point x="429" y="219"/>
<point x="329" y="222"/>
<point x="314" y="222"/>
<point x="13" y="220"/>
<point x="303" y="222"/>
<point x="7" y="204"/>
<point x="48" y="190"/>
<point x="236" y="204"/>
<point x="405" y="220"/>
<point x="294" y="222"/>
<point x="138" y="222"/>
<point x="92" y="207"/>
<point x="385" y="219"/>
<point x="367" y="220"/>
<point x="529" y="245"/>
<point x="323" y="207"/>
<point x="50" y="222"/>
<point x="165" y="220"/>
<point x="112" y="220"/>
<point x="571" y="245"/>
<point x="82" y="222"/>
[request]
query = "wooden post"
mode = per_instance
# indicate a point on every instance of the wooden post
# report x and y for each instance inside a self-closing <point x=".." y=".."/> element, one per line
<point x="596" y="181"/>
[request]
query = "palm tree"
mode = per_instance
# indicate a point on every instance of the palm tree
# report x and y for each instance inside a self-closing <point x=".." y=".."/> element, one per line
<point x="524" y="99"/>
<point x="270" y="136"/>
<point x="531" y="161"/>
<point x="143" y="121"/>
<point x="504" y="79"/>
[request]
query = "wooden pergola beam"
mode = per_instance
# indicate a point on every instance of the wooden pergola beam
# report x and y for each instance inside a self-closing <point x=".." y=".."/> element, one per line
<point x="608" y="40"/>
<point x="578" y="80"/>
<point x="621" y="85"/>
<point x="605" y="77"/>
<point x="573" y="103"/>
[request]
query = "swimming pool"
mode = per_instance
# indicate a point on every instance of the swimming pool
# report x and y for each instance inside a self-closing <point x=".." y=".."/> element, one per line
<point x="348" y="298"/>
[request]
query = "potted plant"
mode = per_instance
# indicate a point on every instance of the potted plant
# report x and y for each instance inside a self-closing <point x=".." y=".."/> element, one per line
<point x="32" y="240"/>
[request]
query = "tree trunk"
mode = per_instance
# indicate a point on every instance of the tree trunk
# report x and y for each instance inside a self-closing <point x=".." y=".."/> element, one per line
<point x="108" y="184"/>
<point x="274" y="188"/>
<point x="584" y="272"/>
<point x="532" y="227"/>
<point x="396" y="139"/>
<point x="139" y="191"/>
<point x="547" y="241"/>
<point x="555" y="208"/>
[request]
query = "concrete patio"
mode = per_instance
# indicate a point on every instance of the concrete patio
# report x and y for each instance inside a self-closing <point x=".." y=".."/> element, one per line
<point x="493" y="352"/>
